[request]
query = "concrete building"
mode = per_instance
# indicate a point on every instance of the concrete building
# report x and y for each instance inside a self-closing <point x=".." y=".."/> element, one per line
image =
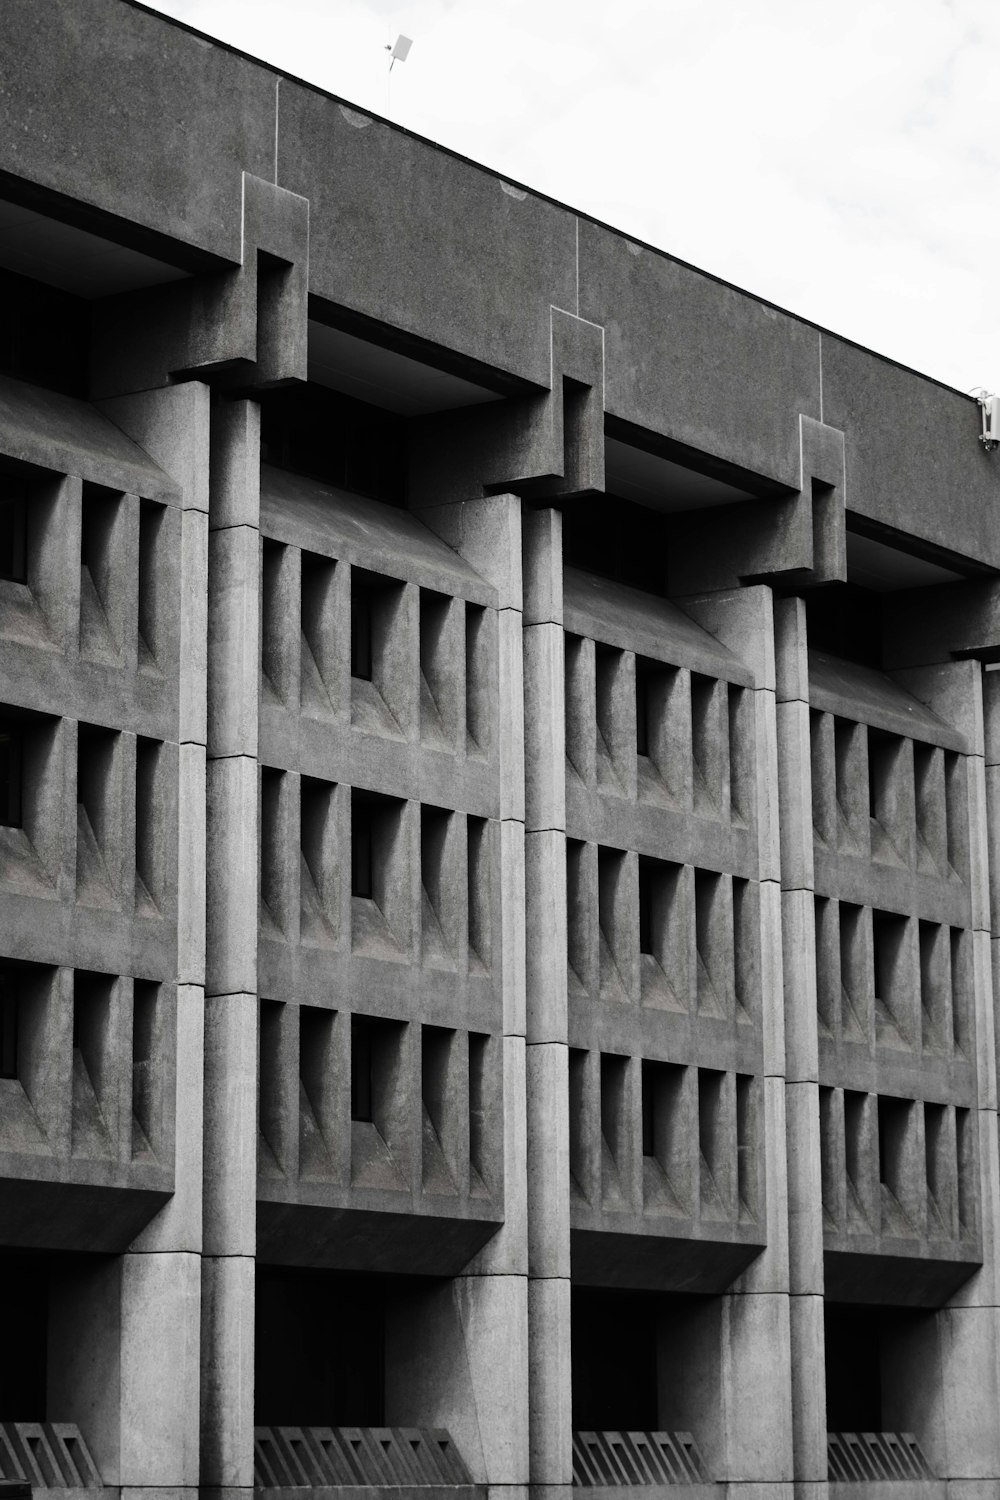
<point x="500" y="831"/>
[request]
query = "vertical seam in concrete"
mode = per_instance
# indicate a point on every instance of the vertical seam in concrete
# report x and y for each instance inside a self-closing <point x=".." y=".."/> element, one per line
<point x="821" y="417"/>
<point x="577" y="227"/>
<point x="277" y="106"/>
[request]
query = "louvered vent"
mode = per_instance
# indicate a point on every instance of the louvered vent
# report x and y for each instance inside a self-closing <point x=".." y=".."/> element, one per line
<point x="863" y="1456"/>
<point x="601" y="1459"/>
<point x="323" y="1457"/>
<point x="46" y="1455"/>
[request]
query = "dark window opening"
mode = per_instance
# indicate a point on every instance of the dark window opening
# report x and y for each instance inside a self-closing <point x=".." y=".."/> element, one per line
<point x="893" y="1122"/>
<point x="361" y="849"/>
<point x="846" y="621"/>
<point x="613" y="1103"/>
<point x="144" y="1101"/>
<point x="151" y="527"/>
<point x="623" y="541"/>
<point x="478" y="1057"/>
<point x="744" y="1140"/>
<point x="23" y="1369"/>
<point x="853" y="1369"/>
<point x="478" y="886"/>
<point x="95" y="769"/>
<point x="10" y="777"/>
<point x="613" y="1339"/>
<point x="8" y="1025"/>
<point x="336" y="439"/>
<point x="648" y="1109"/>
<point x="13" y="529"/>
<point x="320" y="1348"/>
<point x="883" y="749"/>
<point x="710" y="1082"/>
<point x="361" y="1069"/>
<point x="888" y="931"/>
<point x="361" y="630"/>
<point x="44" y="334"/>
<point x="646" y="906"/>
<point x="854" y="1140"/>
<point x="148" y="834"/>
<point x="643" y="684"/>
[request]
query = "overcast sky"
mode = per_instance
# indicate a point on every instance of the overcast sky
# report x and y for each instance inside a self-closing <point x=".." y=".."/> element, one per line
<point x="840" y="160"/>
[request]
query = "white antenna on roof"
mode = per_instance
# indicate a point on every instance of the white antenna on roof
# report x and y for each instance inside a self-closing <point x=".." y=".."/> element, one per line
<point x="399" y="51"/>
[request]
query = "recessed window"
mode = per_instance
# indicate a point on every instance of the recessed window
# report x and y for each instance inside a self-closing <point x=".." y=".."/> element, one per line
<point x="478" y="1058"/>
<point x="361" y="631"/>
<point x="337" y="439"/>
<point x="361" y="1069"/>
<point x="151" y="529"/>
<point x="10" y="777"/>
<point x="893" y="1125"/>
<point x="361" y="849"/>
<point x="647" y="875"/>
<point x="44" y="334"/>
<point x="13" y="529"/>
<point x="650" y="679"/>
<point x="8" y="1026"/>
<point x="649" y="1109"/>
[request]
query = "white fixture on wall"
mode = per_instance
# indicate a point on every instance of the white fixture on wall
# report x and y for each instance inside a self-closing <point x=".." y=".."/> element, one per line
<point x="990" y="408"/>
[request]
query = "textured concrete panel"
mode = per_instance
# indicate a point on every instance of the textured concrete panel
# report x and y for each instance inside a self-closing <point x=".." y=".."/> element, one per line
<point x="913" y="457"/>
<point x="732" y="373"/>
<point x="195" y="116"/>
<point x="506" y="257"/>
<point x="161" y="1307"/>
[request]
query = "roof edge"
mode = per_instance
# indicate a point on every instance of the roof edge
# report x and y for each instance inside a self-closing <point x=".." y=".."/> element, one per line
<point x="577" y="213"/>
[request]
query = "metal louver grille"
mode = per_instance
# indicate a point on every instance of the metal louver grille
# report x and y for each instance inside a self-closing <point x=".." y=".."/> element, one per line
<point x="603" y="1459"/>
<point x="863" y="1456"/>
<point x="325" y="1457"/>
<point x="47" y="1455"/>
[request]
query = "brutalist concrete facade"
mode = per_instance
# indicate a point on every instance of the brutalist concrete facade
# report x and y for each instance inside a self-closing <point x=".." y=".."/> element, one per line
<point x="498" y="831"/>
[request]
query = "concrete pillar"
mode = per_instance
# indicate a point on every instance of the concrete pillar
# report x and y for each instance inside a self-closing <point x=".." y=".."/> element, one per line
<point x="805" y="1208"/>
<point x="475" y="1383"/>
<point x="754" y="1432"/>
<point x="230" y="1145"/>
<point x="960" y="1405"/>
<point x="159" y="1280"/>
<point x="549" y="1369"/>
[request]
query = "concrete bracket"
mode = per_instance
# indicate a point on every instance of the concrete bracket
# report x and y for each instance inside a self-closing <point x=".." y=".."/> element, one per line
<point x="245" y="326"/>
<point x="545" y="445"/>
<point x="824" y="487"/>
<point x="577" y="348"/>
<point x="797" y="539"/>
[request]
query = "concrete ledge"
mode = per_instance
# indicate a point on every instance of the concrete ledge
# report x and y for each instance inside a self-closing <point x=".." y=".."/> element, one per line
<point x="657" y="1262"/>
<point x="889" y="1489"/>
<point x="60" y="1215"/>
<point x="351" y="1239"/>
<point x="375" y="1491"/>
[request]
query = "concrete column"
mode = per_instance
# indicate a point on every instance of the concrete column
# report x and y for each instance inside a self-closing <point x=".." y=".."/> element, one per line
<point x="549" y="1369"/>
<point x="805" y="1203"/>
<point x="480" y="1325"/>
<point x="755" y="1378"/>
<point x="159" y="1279"/>
<point x="960" y="1405"/>
<point x="230" y="1148"/>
